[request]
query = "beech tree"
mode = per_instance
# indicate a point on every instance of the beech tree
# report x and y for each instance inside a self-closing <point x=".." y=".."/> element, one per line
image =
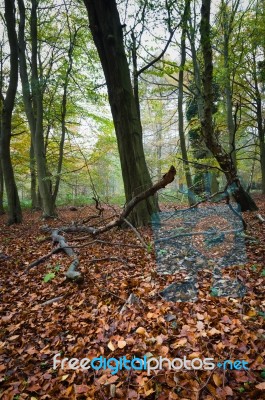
<point x="107" y="32"/>
<point x="7" y="106"/>
<point x="224" y="159"/>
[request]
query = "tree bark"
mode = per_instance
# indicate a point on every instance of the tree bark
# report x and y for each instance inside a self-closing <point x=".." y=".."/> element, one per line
<point x="228" y="29"/>
<point x="2" y="211"/>
<point x="33" y="101"/>
<point x="224" y="159"/>
<point x="64" y="111"/>
<point x="33" y="181"/>
<point x="261" y="128"/>
<point x="107" y="33"/>
<point x="183" y="147"/>
<point x="14" y="209"/>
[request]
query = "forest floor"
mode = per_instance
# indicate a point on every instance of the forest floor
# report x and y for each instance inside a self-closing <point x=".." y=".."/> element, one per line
<point x="87" y="320"/>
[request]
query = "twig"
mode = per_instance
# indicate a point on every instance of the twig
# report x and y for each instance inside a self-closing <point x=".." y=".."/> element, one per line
<point x="54" y="300"/>
<point x="104" y="243"/>
<point x="202" y="165"/>
<point x="136" y="233"/>
<point x="106" y="259"/>
<point x="260" y="218"/>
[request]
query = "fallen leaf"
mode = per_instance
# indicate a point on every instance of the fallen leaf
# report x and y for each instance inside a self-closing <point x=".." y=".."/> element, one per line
<point x="111" y="346"/>
<point x="121" y="344"/>
<point x="141" y="331"/>
<point x="261" y="386"/>
<point x="217" y="379"/>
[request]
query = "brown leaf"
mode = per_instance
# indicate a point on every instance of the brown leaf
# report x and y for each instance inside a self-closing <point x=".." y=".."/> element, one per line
<point x="111" y="346"/>
<point x="121" y="344"/>
<point x="217" y="380"/>
<point x="141" y="331"/>
<point x="260" y="386"/>
<point x="81" y="389"/>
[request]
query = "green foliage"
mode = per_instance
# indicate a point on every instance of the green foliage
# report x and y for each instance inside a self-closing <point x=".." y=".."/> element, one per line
<point x="149" y="247"/>
<point x="48" y="277"/>
<point x="52" y="273"/>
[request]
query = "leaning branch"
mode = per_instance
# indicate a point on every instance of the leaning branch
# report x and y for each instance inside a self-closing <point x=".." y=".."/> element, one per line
<point x="63" y="246"/>
<point x="166" y="179"/>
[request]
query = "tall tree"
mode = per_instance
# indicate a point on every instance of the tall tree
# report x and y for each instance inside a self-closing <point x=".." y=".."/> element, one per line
<point x="107" y="33"/>
<point x="7" y="106"/>
<point x="180" y="101"/>
<point x="33" y="101"/>
<point x="2" y="211"/>
<point x="227" y="16"/>
<point x="224" y="159"/>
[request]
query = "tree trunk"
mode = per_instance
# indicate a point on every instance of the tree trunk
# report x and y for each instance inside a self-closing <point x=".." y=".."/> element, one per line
<point x="2" y="211"/>
<point x="38" y="138"/>
<point x="180" y="105"/>
<point x="107" y="33"/>
<point x="33" y="101"/>
<point x="261" y="131"/>
<point x="228" y="30"/>
<point x="224" y="159"/>
<point x="64" y="111"/>
<point x="14" y="209"/>
<point x="33" y="183"/>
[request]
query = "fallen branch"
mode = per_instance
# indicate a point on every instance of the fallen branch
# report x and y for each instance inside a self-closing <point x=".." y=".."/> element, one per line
<point x="132" y="299"/>
<point x="105" y="243"/>
<point x="260" y="218"/>
<point x="54" y="300"/>
<point x="42" y="259"/>
<point x="106" y="259"/>
<point x="62" y="244"/>
<point x="166" y="179"/>
<point x="136" y="233"/>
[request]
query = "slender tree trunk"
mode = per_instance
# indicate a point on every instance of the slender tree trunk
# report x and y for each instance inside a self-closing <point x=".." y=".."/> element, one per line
<point x="180" y="104"/>
<point x="14" y="209"/>
<point x="33" y="101"/>
<point x="135" y="75"/>
<point x="261" y="130"/>
<point x="199" y="100"/>
<point x="196" y="68"/>
<point x="224" y="160"/>
<point x="228" y="29"/>
<point x="33" y="182"/>
<point x="38" y="137"/>
<point x="63" y="112"/>
<point x="107" y="33"/>
<point x="2" y="211"/>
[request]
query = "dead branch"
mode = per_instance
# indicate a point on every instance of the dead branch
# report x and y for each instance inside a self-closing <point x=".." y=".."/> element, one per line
<point x="132" y="299"/>
<point x="54" y="300"/>
<point x="166" y="179"/>
<point x="136" y="233"/>
<point x="42" y="259"/>
<point x="62" y="244"/>
<point x="260" y="218"/>
<point x="106" y="259"/>
<point x="104" y="242"/>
